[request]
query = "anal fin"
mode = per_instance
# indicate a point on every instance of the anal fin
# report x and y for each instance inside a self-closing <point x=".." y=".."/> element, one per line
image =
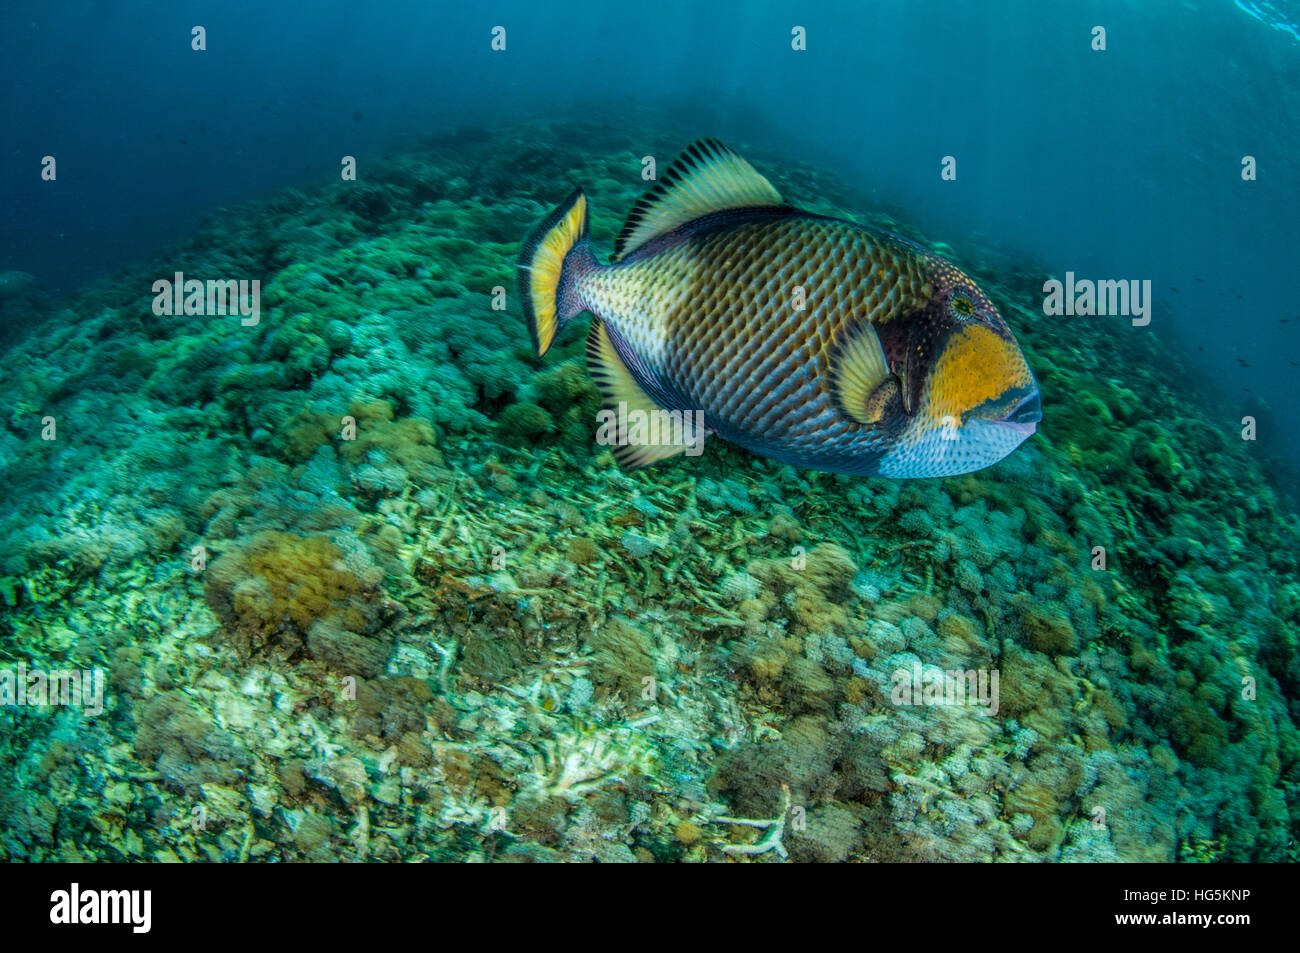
<point x="637" y="430"/>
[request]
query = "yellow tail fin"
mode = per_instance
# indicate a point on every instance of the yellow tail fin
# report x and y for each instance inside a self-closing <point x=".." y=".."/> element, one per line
<point x="543" y="284"/>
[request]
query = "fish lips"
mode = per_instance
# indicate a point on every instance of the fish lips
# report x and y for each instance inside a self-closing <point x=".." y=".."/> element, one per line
<point x="1025" y="415"/>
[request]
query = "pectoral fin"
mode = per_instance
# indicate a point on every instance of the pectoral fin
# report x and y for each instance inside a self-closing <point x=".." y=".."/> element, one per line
<point x="860" y="378"/>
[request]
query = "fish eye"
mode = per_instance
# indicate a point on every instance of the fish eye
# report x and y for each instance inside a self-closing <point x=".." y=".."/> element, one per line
<point x="963" y="306"/>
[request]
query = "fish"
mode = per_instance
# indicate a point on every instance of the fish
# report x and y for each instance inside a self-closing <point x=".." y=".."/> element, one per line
<point x="810" y="340"/>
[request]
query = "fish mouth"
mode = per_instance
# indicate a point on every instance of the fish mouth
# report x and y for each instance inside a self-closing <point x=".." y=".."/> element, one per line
<point x="1025" y="415"/>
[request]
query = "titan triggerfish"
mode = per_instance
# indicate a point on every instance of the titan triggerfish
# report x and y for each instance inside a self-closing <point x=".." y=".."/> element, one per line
<point x="812" y="340"/>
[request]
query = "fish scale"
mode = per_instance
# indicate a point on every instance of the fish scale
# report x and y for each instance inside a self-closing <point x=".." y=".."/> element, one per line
<point x="741" y="297"/>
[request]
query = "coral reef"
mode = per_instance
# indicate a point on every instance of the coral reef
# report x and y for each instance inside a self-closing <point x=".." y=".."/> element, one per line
<point x="364" y="588"/>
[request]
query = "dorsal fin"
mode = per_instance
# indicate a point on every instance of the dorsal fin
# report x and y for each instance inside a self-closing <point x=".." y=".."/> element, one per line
<point x="707" y="177"/>
<point x="860" y="378"/>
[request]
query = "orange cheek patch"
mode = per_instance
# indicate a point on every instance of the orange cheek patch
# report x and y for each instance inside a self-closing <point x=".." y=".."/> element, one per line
<point x="976" y="365"/>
